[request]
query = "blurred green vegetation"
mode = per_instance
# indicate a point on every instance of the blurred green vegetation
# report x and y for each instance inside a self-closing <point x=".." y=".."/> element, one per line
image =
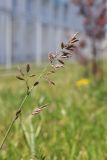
<point x="73" y="127"/>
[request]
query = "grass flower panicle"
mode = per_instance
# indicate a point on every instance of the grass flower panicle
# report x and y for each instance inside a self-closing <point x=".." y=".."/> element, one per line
<point x="57" y="61"/>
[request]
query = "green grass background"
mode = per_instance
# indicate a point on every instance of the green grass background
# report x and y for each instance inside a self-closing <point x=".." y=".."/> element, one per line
<point x="73" y="127"/>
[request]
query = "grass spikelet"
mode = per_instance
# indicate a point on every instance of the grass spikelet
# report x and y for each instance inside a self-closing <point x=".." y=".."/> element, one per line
<point x="20" y="78"/>
<point x="61" y="61"/>
<point x="37" y="110"/>
<point x="33" y="75"/>
<point x="21" y="72"/>
<point x="62" y="45"/>
<point x="27" y="68"/>
<point x="36" y="83"/>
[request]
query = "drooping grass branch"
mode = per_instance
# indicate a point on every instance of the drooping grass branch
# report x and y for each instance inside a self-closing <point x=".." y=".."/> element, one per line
<point x="57" y="61"/>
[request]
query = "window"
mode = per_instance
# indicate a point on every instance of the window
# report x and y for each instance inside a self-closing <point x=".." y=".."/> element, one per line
<point x="65" y="11"/>
<point x="14" y="5"/>
<point x="56" y="9"/>
<point x="29" y="6"/>
<point x="45" y="11"/>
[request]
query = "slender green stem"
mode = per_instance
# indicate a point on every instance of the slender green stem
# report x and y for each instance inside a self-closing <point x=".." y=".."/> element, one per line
<point x="13" y="121"/>
<point x="18" y="112"/>
<point x="7" y="133"/>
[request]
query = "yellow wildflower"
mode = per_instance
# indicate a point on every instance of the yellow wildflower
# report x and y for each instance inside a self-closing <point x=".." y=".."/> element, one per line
<point x="82" y="82"/>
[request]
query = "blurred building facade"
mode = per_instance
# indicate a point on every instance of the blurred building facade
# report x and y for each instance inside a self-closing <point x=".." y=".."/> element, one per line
<point x="29" y="29"/>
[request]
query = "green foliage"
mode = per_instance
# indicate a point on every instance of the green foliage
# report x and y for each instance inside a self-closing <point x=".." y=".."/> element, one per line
<point x="72" y="128"/>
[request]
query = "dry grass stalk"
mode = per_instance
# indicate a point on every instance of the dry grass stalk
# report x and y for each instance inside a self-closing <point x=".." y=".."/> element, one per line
<point x="57" y="61"/>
